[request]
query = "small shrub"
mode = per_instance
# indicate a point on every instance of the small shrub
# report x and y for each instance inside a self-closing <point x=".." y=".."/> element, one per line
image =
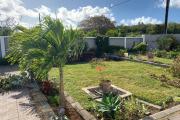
<point x="160" y="53"/>
<point x="109" y="106"/>
<point x="175" y="67"/>
<point x="172" y="54"/>
<point x="121" y="52"/>
<point x="131" y="57"/>
<point x="112" y="33"/>
<point x="167" y="43"/>
<point x="12" y="82"/>
<point x="132" y="110"/>
<point x="102" y="44"/>
<point x="53" y="100"/>
<point x="47" y="87"/>
<point x="141" y="47"/>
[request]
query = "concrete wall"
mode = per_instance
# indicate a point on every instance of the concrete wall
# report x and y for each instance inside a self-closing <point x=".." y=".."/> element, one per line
<point x="125" y="42"/>
<point x="152" y="39"/>
<point x="4" y="45"/>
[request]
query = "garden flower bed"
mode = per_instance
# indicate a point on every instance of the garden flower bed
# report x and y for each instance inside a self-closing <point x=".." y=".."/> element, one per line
<point x="131" y="76"/>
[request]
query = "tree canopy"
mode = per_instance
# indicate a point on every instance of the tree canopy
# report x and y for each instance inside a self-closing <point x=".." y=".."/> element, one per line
<point x="99" y="23"/>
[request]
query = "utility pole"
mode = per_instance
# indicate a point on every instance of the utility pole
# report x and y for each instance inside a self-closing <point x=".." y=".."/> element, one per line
<point x="39" y="19"/>
<point x="166" y="16"/>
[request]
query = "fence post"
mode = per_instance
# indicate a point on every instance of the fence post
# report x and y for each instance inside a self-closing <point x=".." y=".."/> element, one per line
<point x="143" y="36"/>
<point x="2" y="46"/>
<point x="125" y="45"/>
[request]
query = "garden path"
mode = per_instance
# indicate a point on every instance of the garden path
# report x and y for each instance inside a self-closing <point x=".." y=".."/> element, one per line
<point x="16" y="105"/>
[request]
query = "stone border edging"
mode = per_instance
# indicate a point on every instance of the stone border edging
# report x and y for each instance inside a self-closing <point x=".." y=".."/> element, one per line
<point x="125" y="95"/>
<point x="146" y="62"/>
<point x="41" y="104"/>
<point x="84" y="113"/>
<point x="149" y="104"/>
<point x="163" y="114"/>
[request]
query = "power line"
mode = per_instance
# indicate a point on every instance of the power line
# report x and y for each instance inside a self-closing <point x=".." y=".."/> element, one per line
<point x="120" y="3"/>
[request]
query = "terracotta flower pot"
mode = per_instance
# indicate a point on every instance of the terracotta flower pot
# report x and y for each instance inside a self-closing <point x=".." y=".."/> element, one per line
<point x="105" y="86"/>
<point x="150" y="56"/>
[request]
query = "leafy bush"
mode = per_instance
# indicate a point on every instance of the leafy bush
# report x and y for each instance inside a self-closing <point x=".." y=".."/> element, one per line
<point x="175" y="68"/>
<point x="132" y="110"/>
<point x="121" y="52"/>
<point x="102" y="44"/>
<point x="109" y="106"/>
<point x="112" y="33"/>
<point x="160" y="53"/>
<point x="165" y="54"/>
<point x="47" y="87"/>
<point x="141" y="47"/>
<point x="12" y="82"/>
<point x="167" y="43"/>
<point x="172" y="54"/>
<point x="53" y="100"/>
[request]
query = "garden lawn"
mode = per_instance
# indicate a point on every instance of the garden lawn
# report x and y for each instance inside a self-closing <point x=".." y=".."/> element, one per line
<point x="160" y="60"/>
<point x="134" y="77"/>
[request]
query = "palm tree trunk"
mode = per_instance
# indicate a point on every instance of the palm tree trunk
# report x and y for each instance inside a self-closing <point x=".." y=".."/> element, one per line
<point x="61" y="93"/>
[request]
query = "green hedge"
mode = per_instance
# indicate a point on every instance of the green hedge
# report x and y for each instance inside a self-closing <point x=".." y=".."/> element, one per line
<point x="102" y="44"/>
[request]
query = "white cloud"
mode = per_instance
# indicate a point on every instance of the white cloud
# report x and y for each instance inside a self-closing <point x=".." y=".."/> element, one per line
<point x="45" y="11"/>
<point x="173" y="3"/>
<point x="16" y="9"/>
<point x="136" y="21"/>
<point x="74" y="16"/>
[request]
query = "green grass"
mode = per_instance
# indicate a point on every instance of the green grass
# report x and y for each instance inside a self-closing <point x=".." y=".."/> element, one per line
<point x="163" y="60"/>
<point x="134" y="77"/>
<point x="158" y="59"/>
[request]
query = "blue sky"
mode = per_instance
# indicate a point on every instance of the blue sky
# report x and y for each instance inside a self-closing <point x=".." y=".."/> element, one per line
<point x="73" y="11"/>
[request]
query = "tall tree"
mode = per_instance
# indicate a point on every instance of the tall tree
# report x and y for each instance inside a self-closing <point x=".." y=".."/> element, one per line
<point x="6" y="25"/>
<point x="99" y="23"/>
<point x="51" y="46"/>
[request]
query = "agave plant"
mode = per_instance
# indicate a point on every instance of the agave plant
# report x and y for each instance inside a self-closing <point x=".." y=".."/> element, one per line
<point x="109" y="105"/>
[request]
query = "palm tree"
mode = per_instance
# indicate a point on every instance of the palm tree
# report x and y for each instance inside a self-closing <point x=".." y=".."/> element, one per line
<point x="61" y="44"/>
<point x="53" y="45"/>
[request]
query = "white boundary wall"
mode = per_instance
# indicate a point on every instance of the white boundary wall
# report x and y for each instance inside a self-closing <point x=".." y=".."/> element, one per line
<point x="151" y="40"/>
<point x="3" y="45"/>
<point x="125" y="42"/>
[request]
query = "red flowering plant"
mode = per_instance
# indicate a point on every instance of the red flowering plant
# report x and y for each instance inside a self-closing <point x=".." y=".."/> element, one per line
<point x="100" y="67"/>
<point x="47" y="86"/>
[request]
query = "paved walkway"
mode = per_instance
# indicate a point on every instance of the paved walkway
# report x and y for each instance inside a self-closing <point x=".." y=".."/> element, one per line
<point x="16" y="105"/>
<point x="174" y="116"/>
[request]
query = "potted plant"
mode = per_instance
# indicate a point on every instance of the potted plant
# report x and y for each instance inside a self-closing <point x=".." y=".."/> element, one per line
<point x="150" y="56"/>
<point x="105" y="86"/>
